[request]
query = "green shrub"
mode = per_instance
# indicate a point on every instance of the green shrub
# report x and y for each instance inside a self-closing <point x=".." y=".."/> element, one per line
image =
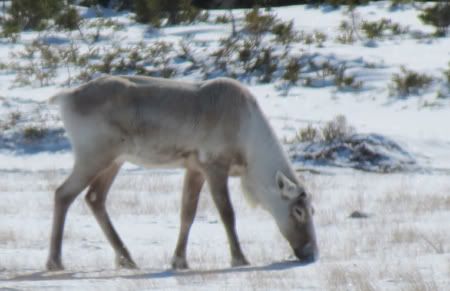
<point x="336" y="129"/>
<point x="267" y="64"/>
<point x="222" y="55"/>
<point x="11" y="29"/>
<point x="409" y="82"/>
<point x="292" y="71"/>
<point x="319" y="37"/>
<point x="307" y="38"/>
<point x="346" y="33"/>
<point x="397" y="29"/>
<point x="327" y="71"/>
<point x="284" y="32"/>
<point x="31" y="14"/>
<point x="447" y="74"/>
<point x="438" y="16"/>
<point x="154" y="60"/>
<point x="375" y="29"/>
<point x="222" y="19"/>
<point x="188" y="54"/>
<point x="174" y="11"/>
<point x="337" y="3"/>
<point x="90" y="3"/>
<point x="322" y="70"/>
<point x="148" y="11"/>
<point x="444" y="91"/>
<point x="308" y="134"/>
<point x="107" y="63"/>
<point x="99" y="25"/>
<point x="258" y="23"/>
<point x="159" y="54"/>
<point x="443" y="94"/>
<point x="343" y="81"/>
<point x="33" y="133"/>
<point x="68" y="19"/>
<point x="245" y="53"/>
<point x="12" y="120"/>
<point x="40" y="64"/>
<point x="397" y="3"/>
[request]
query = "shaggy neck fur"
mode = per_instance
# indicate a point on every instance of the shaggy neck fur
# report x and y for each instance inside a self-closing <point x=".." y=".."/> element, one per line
<point x="265" y="156"/>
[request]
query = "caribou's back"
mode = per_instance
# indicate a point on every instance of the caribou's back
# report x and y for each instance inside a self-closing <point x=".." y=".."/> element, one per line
<point x="158" y="121"/>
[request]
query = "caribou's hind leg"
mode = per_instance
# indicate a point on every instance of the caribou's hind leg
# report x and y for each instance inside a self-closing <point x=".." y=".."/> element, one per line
<point x="96" y="198"/>
<point x="82" y="174"/>
<point x="193" y="183"/>
<point x="217" y="177"/>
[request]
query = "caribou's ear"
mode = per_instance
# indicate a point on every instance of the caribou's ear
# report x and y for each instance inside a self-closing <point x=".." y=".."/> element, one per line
<point x="287" y="188"/>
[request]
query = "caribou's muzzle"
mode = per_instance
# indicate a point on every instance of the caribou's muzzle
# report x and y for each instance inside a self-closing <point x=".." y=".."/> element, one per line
<point x="307" y="254"/>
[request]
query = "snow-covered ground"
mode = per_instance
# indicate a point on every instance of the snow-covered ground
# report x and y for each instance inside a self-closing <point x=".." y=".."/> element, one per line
<point x="404" y="244"/>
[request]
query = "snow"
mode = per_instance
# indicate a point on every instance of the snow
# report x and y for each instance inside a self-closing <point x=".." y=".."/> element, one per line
<point x="404" y="244"/>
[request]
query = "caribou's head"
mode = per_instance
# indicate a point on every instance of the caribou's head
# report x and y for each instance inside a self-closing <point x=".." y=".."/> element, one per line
<point x="296" y="223"/>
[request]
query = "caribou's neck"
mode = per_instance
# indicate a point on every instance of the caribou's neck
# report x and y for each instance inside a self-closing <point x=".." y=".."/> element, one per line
<point x="265" y="156"/>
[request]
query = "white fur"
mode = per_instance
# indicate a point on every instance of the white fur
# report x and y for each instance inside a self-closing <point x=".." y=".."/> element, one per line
<point x="253" y="136"/>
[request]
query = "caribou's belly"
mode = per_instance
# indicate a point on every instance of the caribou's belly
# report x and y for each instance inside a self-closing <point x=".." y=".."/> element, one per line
<point x="148" y="162"/>
<point x="170" y="156"/>
<point x="156" y="156"/>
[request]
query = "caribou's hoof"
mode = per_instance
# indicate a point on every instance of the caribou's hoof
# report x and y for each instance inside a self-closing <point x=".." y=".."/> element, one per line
<point x="54" y="265"/>
<point x="179" y="263"/>
<point x="239" y="262"/>
<point x="125" y="263"/>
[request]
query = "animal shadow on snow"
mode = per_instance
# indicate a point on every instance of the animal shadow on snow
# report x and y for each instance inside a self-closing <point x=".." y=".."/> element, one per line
<point x="152" y="274"/>
<point x="49" y="140"/>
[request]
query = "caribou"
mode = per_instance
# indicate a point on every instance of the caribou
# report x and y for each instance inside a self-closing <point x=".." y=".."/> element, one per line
<point x="213" y="129"/>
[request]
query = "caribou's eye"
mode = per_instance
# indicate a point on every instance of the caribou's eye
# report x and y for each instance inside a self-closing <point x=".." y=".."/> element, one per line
<point x="302" y="194"/>
<point x="298" y="213"/>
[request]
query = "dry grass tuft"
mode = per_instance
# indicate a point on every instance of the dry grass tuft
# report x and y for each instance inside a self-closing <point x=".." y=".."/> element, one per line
<point x="150" y="194"/>
<point x="400" y="200"/>
<point x="7" y="236"/>
<point x="414" y="281"/>
<point x="404" y="234"/>
<point x="339" y="277"/>
<point x="284" y="281"/>
<point x="438" y="242"/>
<point x="207" y="257"/>
<point x="326" y="217"/>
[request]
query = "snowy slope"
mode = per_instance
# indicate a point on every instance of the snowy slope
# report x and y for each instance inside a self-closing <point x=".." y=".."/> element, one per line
<point x="403" y="245"/>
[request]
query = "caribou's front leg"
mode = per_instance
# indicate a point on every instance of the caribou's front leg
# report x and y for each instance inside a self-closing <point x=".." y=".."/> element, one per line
<point x="217" y="177"/>
<point x="193" y="182"/>
<point x="96" y="198"/>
